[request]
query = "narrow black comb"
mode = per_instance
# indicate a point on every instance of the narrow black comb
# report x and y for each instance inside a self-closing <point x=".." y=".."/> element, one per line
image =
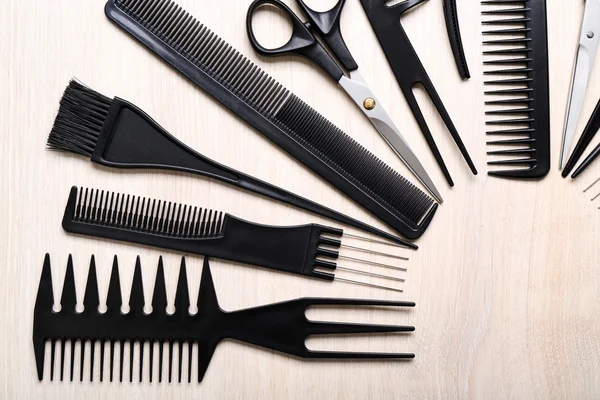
<point x="308" y="250"/>
<point x="232" y="79"/>
<point x="453" y="28"/>
<point x="520" y="51"/>
<point x="282" y="327"/>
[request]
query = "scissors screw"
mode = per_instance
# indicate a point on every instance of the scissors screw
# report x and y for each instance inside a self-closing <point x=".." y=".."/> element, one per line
<point x="590" y="35"/>
<point x="369" y="103"/>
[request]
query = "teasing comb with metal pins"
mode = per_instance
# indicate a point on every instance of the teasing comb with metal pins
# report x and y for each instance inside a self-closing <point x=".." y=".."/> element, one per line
<point x="281" y="327"/>
<point x="517" y="47"/>
<point x="232" y="79"/>
<point x="309" y="250"/>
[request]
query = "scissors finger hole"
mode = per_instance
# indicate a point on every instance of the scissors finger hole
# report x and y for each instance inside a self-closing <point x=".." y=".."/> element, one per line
<point x="321" y="5"/>
<point x="271" y="26"/>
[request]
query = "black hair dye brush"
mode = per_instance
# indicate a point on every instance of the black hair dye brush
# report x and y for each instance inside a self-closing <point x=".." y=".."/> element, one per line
<point x="116" y="133"/>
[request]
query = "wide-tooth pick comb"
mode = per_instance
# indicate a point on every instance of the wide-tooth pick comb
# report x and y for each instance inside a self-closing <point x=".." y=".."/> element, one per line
<point x="309" y="250"/>
<point x="518" y="49"/>
<point x="282" y="327"/>
<point x="240" y="85"/>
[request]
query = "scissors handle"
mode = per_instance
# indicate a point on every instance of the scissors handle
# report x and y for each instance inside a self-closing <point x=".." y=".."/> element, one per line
<point x="327" y="23"/>
<point x="302" y="42"/>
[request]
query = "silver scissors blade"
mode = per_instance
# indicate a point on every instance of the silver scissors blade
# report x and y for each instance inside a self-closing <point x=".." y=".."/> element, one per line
<point x="586" y="54"/>
<point x="359" y="91"/>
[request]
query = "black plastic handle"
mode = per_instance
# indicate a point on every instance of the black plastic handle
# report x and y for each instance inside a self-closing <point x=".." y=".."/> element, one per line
<point x="302" y="42"/>
<point x="589" y="132"/>
<point x="587" y="162"/>
<point x="403" y="7"/>
<point x="327" y="23"/>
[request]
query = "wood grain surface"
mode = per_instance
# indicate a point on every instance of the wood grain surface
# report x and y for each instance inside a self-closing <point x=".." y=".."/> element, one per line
<point x="505" y="281"/>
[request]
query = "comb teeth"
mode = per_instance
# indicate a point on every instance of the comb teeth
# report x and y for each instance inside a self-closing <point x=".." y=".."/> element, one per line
<point x="207" y="51"/>
<point x="518" y="41"/>
<point x="146" y="215"/>
<point x="178" y="338"/>
<point x="292" y="124"/>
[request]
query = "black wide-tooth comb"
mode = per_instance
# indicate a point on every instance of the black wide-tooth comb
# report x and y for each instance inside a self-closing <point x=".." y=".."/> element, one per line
<point x="282" y="327"/>
<point x="232" y="79"/>
<point x="520" y="47"/>
<point x="308" y="250"/>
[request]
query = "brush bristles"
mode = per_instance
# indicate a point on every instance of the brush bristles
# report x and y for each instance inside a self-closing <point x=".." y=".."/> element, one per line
<point x="79" y="121"/>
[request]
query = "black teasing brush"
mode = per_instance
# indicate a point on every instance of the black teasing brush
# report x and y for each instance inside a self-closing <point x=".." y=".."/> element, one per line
<point x="281" y="327"/>
<point x="221" y="71"/>
<point x="115" y="133"/>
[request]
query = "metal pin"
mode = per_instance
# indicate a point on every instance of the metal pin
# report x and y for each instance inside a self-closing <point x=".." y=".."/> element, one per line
<point x="369" y="285"/>
<point x="376" y="264"/>
<point x="374" y="241"/>
<point x="592" y="185"/>
<point x="377" y="253"/>
<point x="357" y="271"/>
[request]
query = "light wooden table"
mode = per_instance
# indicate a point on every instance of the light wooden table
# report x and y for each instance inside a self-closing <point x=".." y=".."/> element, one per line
<point x="506" y="280"/>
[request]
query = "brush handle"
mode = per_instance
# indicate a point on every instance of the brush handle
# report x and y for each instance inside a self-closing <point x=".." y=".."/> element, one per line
<point x="132" y="139"/>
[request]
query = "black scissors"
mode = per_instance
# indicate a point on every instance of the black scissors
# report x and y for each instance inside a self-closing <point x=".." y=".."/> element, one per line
<point x="304" y="42"/>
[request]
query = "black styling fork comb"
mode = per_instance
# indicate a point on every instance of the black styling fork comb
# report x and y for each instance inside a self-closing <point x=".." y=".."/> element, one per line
<point x="281" y="327"/>
<point x="115" y="133"/>
<point x="308" y="250"/>
<point x="409" y="71"/>
<point x="228" y="76"/>
<point x="518" y="45"/>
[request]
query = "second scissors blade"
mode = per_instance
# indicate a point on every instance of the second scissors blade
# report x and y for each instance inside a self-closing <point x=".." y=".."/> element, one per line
<point x="586" y="54"/>
<point x="358" y="90"/>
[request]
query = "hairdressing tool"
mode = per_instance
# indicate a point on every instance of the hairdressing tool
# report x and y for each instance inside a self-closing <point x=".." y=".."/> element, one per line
<point x="451" y="15"/>
<point x="305" y="42"/>
<point x="584" y="62"/>
<point x="115" y="133"/>
<point x="587" y="136"/>
<point x="221" y="71"/>
<point x="303" y="250"/>
<point x="409" y="71"/>
<point x="518" y="50"/>
<point x="587" y="162"/>
<point x="281" y="327"/>
<point x="591" y="186"/>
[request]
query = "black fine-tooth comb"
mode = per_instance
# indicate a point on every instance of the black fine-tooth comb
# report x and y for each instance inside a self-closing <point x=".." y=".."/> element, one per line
<point x="282" y="327"/>
<point x="115" y="133"/>
<point x="520" y="48"/>
<point x="245" y="89"/>
<point x="308" y="250"/>
<point x="409" y="71"/>
<point x="453" y="28"/>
